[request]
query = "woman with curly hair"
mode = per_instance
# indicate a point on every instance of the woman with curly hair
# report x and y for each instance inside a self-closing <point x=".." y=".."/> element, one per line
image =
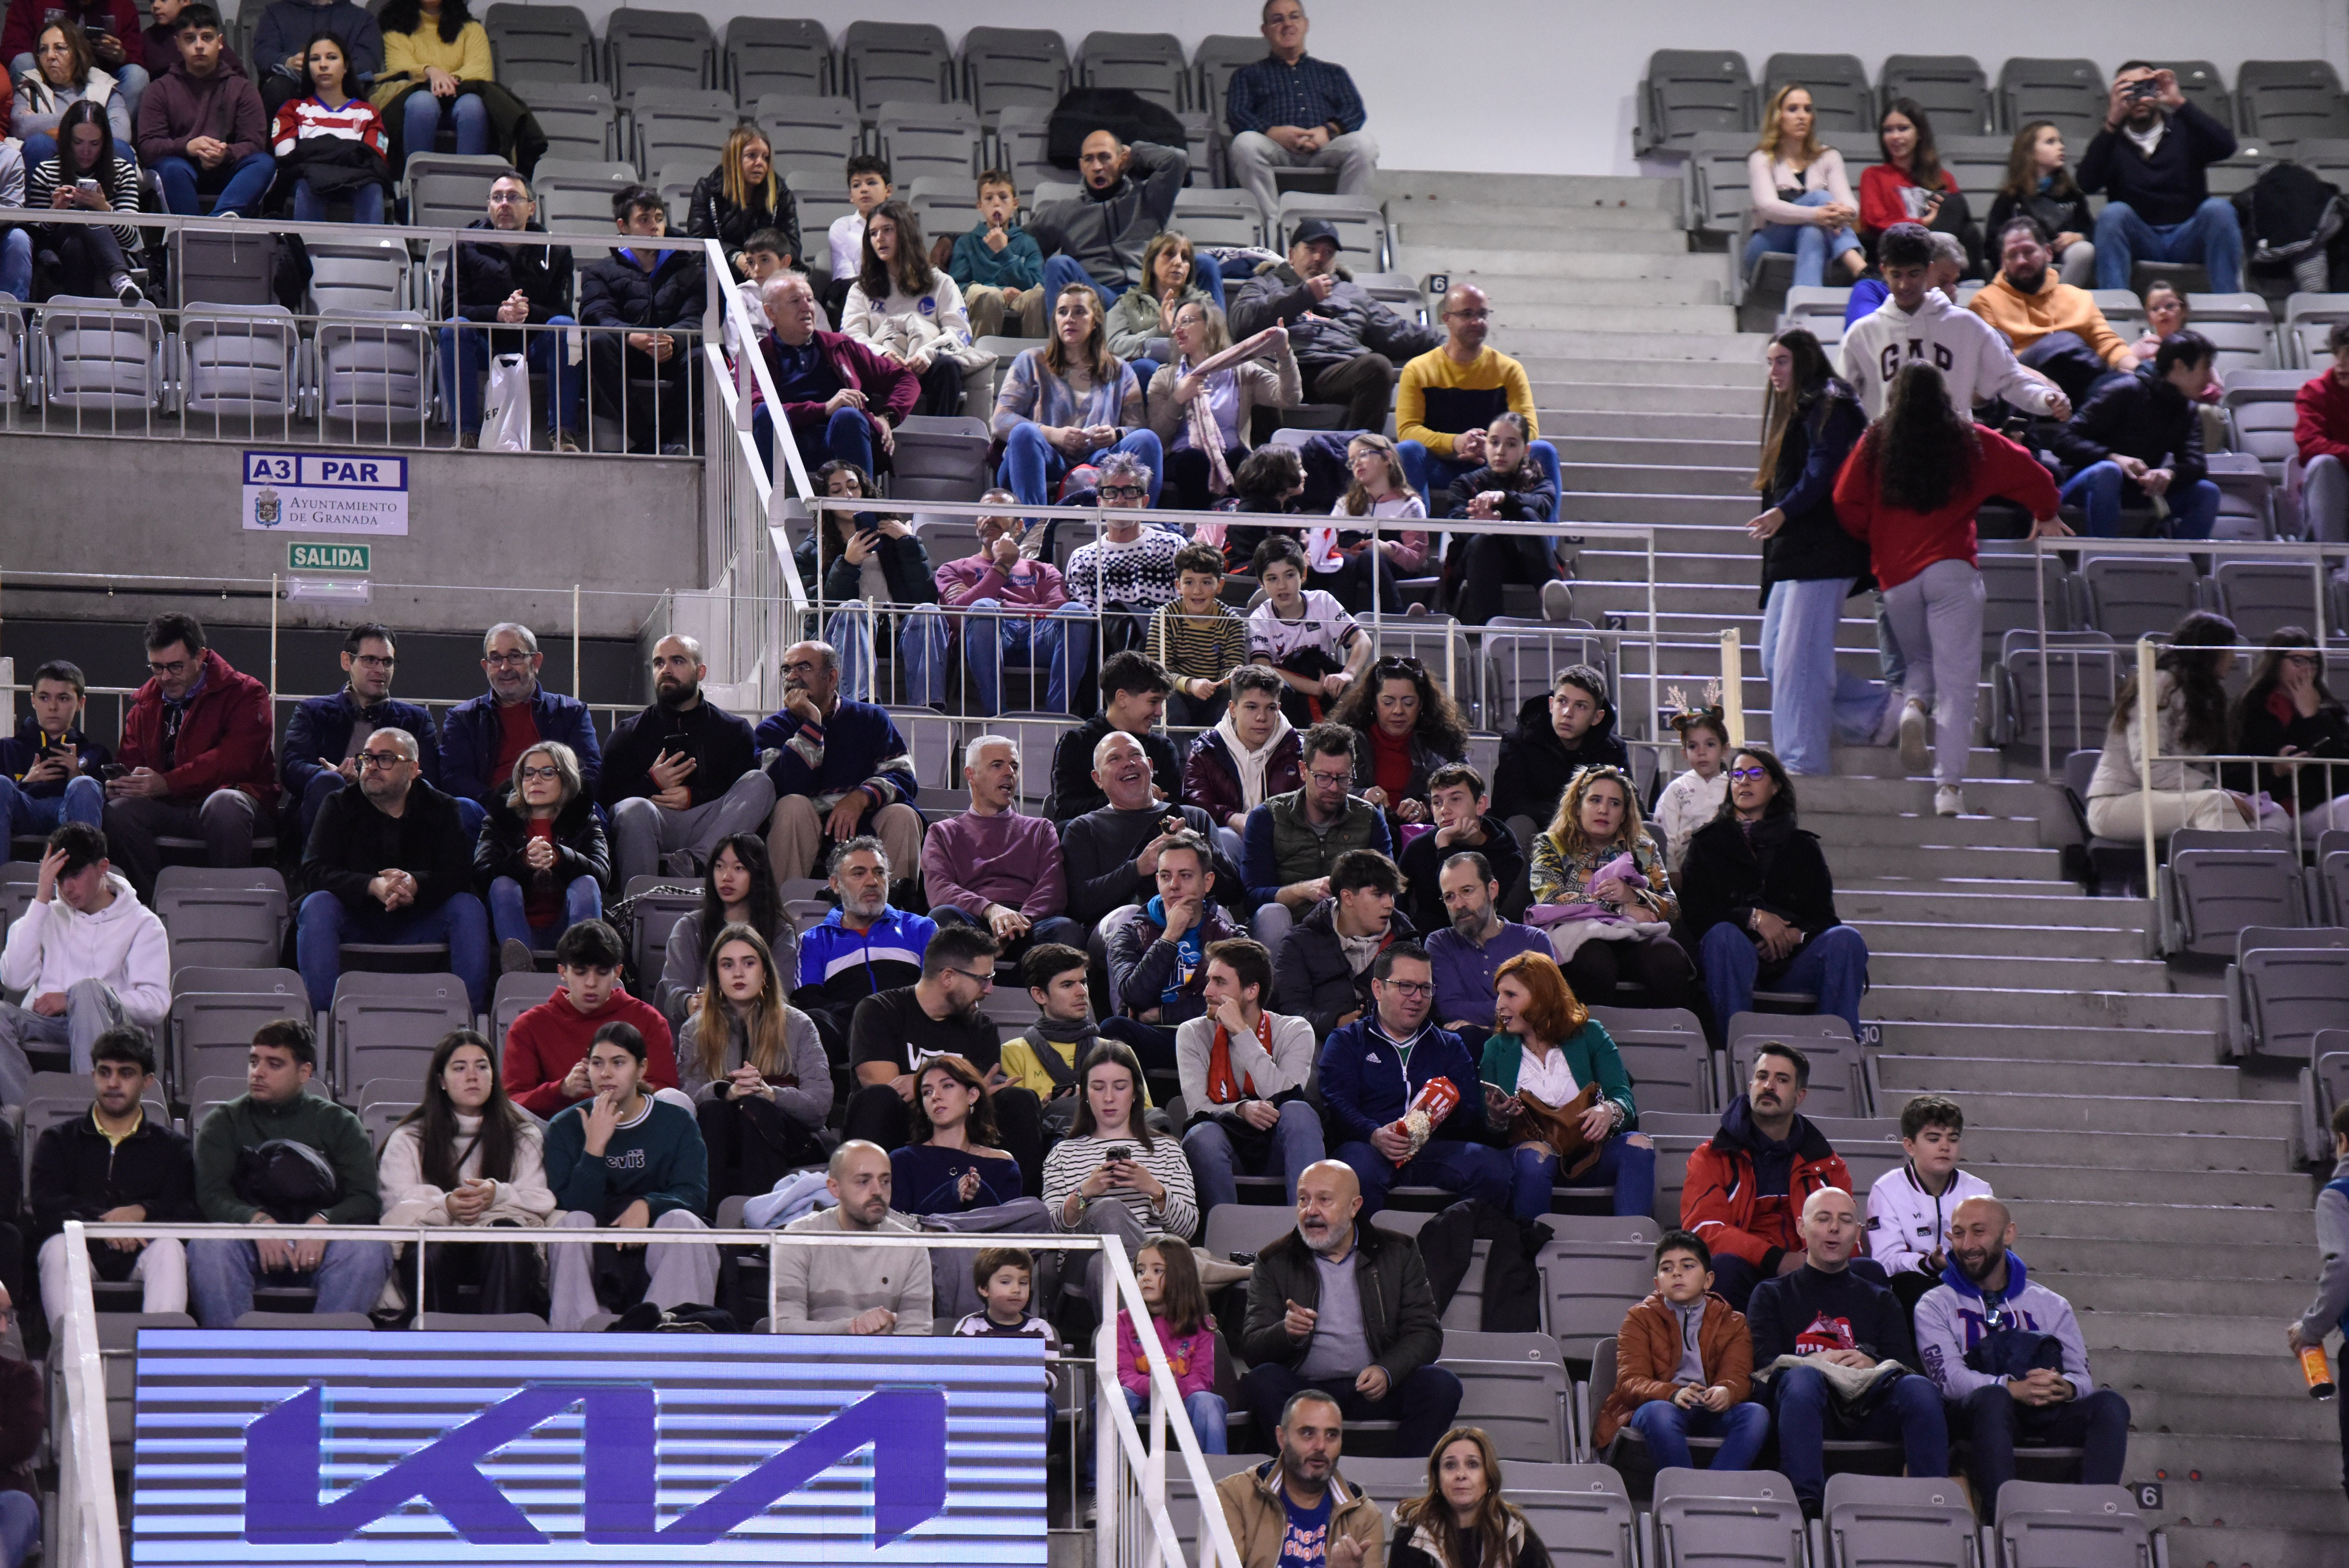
<point x="1609" y="922"/>
<point x="1405" y="728"/>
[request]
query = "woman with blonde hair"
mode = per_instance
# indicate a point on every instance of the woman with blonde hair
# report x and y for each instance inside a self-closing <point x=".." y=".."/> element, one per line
<point x="1607" y="896"/>
<point x="1802" y="197"/>
<point x="1071" y="401"/>
<point x="1146" y="313"/>
<point x="745" y="194"/>
<point x="1202" y="406"/>
<point x="1550" y="1048"/>
<point x="542" y="861"/>
<point x="1461" y="1520"/>
<point x="755" y="1068"/>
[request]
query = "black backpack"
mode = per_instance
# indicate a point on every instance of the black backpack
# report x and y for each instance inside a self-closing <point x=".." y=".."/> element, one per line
<point x="1122" y="112"/>
<point x="288" y="1182"/>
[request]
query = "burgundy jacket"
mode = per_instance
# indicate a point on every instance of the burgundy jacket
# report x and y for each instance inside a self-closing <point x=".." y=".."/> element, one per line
<point x="225" y="741"/>
<point x="888" y="386"/>
<point x="1211" y="783"/>
<point x="179" y="106"/>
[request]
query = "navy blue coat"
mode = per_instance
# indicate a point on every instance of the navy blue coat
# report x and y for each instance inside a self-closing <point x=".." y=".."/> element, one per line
<point x="322" y="726"/>
<point x="468" y="742"/>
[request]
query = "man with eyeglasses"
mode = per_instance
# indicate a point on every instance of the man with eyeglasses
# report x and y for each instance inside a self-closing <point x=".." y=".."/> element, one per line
<point x="1291" y="110"/>
<point x="1448" y="395"/>
<point x="681" y="775"/>
<point x="841" y="770"/>
<point x="1293" y="842"/>
<point x="992" y="866"/>
<point x="1322" y="973"/>
<point x="388" y="861"/>
<point x="1125" y="576"/>
<point x="514" y="287"/>
<point x="482" y="738"/>
<point x="327" y="734"/>
<point x="196" y="754"/>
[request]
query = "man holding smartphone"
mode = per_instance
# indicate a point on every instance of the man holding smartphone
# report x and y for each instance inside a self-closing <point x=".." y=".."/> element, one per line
<point x="682" y="774"/>
<point x="50" y="770"/>
<point x="2150" y="159"/>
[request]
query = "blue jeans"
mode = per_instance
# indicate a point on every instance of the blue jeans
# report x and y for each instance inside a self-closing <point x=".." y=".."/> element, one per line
<point x="17" y="264"/>
<point x="1992" y="1421"/>
<point x="238" y="190"/>
<point x="582" y="900"/>
<point x="1469" y="1170"/>
<point x="1632" y="1167"/>
<point x="1833" y="964"/>
<point x="20" y="1527"/>
<point x="1060" y="272"/>
<point x="2099" y="489"/>
<point x="1811" y="245"/>
<point x="84" y="801"/>
<point x="220" y="1278"/>
<point x="1667" y="1429"/>
<point x="423" y="113"/>
<point x="324" y="921"/>
<point x="1207" y="1413"/>
<point x="846" y="436"/>
<point x="309" y="207"/>
<point x="990" y="647"/>
<point x="1910" y="1411"/>
<point x="1812" y="701"/>
<point x="1296" y="1142"/>
<point x="1429" y="473"/>
<point x="465" y="357"/>
<point x="1032" y="464"/>
<point x="921" y="652"/>
<point x="2213" y="236"/>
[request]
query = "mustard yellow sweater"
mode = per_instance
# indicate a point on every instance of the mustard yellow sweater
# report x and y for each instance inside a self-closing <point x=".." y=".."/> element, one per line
<point x="405" y="57"/>
<point x="1438" y="397"/>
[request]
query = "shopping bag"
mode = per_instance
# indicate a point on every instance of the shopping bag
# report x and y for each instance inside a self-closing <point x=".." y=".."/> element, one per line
<point x="506" y="413"/>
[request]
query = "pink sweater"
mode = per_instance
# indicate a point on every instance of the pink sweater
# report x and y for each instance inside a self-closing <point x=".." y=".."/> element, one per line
<point x="1032" y="583"/>
<point x="971" y="861"/>
<point x="1192" y="1357"/>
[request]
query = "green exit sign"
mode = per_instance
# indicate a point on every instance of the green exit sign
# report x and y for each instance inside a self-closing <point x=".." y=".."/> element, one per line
<point x="328" y="557"/>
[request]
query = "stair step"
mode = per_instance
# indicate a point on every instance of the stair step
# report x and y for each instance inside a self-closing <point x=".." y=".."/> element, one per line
<point x="2155" y="1230"/>
<point x="2053" y="903"/>
<point x="1569" y="419"/>
<point x="2008" y="1005"/>
<point x="2262" y="1379"/>
<point x="2282" y="1462"/>
<point x="1844" y="796"/>
<point x="2145" y="1155"/>
<point x="1678" y="481"/>
<point x="1996" y="941"/>
<point x="1909" y="829"/>
<point x="2272" y="1301"/>
<point x="2258" y="1545"/>
<point x="1509" y="319"/>
<point x="1590" y="370"/>
<point x="2185" y="1334"/>
<point x="1903" y="1075"/>
<point x="1646" y="272"/>
<point x="2055" y="1259"/>
<point x="1944" y="859"/>
<point x="2158" y="1410"/>
<point x="1584" y="197"/>
<point x="2047" y="1042"/>
<point x="1633" y="399"/>
<point x="1424" y="245"/>
<point x="2000" y="1159"/>
<point x="2141" y="976"/>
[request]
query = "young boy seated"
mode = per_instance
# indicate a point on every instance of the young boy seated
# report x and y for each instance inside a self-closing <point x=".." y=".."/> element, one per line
<point x="546" y="1060"/>
<point x="1684" y="1367"/>
<point x="1909" y="1209"/>
<point x="1005" y="1277"/>
<point x="1304" y="634"/>
<point x="1199" y="638"/>
<point x="764" y="254"/>
<point x="868" y="187"/>
<point x="999" y="265"/>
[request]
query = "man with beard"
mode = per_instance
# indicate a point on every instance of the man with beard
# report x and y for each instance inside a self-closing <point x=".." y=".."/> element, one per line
<point x="2009" y="1356"/>
<point x="865" y="947"/>
<point x="2150" y="159"/>
<point x="1469" y="952"/>
<point x="869" y="1289"/>
<point x="682" y="774"/>
<point x="1746" y="1187"/>
<point x="2054" y="328"/>
<point x="1557" y="737"/>
<point x="1295" y="1511"/>
<point x="841" y="770"/>
<point x="327" y="734"/>
<point x="482" y="738"/>
<point x="389" y="861"/>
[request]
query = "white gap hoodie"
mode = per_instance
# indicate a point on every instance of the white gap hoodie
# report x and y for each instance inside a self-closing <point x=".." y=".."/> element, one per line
<point x="1971" y="354"/>
<point x="54" y="945"/>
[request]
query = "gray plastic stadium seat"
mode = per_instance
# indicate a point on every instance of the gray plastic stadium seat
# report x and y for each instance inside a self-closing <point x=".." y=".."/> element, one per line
<point x="1719" y="194"/>
<point x="940" y="458"/>
<point x="1150" y="64"/>
<point x="1217" y="56"/>
<point x="2289" y="989"/>
<point x="656" y="917"/>
<point x="681" y="125"/>
<point x="930" y="739"/>
<point x="1692" y="90"/>
<point x="581" y="204"/>
<point x="214" y="1013"/>
<point x="578" y="118"/>
<point x="385" y="1026"/>
<point x="1520" y="665"/>
<point x="2043" y="1525"/>
<point x="14" y="358"/>
<point x="1894" y="1522"/>
<point x="2072" y="93"/>
<point x="2205" y="87"/>
<point x="2063" y="692"/>
<point x="2284" y="102"/>
<point x="813" y="134"/>
<point x="1021" y="151"/>
<point x="1586" y="1286"/>
<point x="1515" y="1386"/>
<point x="1951" y="88"/>
<point x="227" y="917"/>
<point x="449" y="189"/>
<point x="2333" y="869"/>
<point x="1218" y="217"/>
<point x="375" y="370"/>
<point x="359" y="274"/>
<point x="515" y="995"/>
<point x="309" y="1322"/>
<point x="2308" y="318"/>
<point x="1838" y="1063"/>
<point x="882" y="61"/>
<point x="1818" y="311"/>
<point x="240" y="363"/>
<point x="2010" y="597"/>
<point x="1235" y="1228"/>
<point x="791" y="55"/>
<point x="2130" y="596"/>
<point x="2261" y="596"/>
<point x="2239" y="344"/>
<point x="2326" y="1086"/>
<point x="929" y="138"/>
<point x="647" y="48"/>
<point x="100" y="358"/>
<point x="536" y="42"/>
<point x="229" y="265"/>
<point x="1005" y="66"/>
<point x="2217" y="892"/>
<point x="1977" y="163"/>
<point x="1037" y="734"/>
<point x="380" y="1117"/>
<point x="1664" y="1051"/>
<point x="2258" y="406"/>
<point x="1744" y="1517"/>
<point x="1840" y="96"/>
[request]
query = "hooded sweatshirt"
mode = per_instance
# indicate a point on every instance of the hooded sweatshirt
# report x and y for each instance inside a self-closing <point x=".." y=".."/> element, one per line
<point x="2054" y="307"/>
<point x="53" y="946"/>
<point x="545" y="1041"/>
<point x="1966" y="349"/>
<point x="2330" y="1310"/>
<point x="180" y="106"/>
<point x="1955" y="1314"/>
<point x="1535" y="765"/>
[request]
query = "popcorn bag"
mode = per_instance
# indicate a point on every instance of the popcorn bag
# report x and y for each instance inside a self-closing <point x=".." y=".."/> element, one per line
<point x="1436" y="1099"/>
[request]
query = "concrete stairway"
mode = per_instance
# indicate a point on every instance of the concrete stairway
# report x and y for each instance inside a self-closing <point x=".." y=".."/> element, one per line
<point x="2156" y="1185"/>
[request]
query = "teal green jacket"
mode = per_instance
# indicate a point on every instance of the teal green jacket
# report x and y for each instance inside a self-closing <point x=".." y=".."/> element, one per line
<point x="1590" y="1054"/>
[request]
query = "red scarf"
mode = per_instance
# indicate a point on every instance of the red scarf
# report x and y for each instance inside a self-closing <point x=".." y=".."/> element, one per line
<point x="1221" y="1090"/>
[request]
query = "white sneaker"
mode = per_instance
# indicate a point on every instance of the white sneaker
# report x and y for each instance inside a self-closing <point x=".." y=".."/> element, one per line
<point x="1913" y="735"/>
<point x="1949" y="801"/>
<point x="125" y="291"/>
<point x="1888" y="724"/>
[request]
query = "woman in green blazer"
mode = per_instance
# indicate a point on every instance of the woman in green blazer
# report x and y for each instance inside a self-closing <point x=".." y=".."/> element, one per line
<point x="1549" y="1046"/>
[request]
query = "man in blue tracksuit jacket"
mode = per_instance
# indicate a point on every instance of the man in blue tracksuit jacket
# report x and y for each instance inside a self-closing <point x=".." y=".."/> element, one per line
<point x="480" y="734"/>
<point x="321" y="750"/>
<point x="1371" y="1069"/>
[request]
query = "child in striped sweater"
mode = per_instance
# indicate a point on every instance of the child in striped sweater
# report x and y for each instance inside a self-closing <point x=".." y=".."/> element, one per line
<point x="328" y="142"/>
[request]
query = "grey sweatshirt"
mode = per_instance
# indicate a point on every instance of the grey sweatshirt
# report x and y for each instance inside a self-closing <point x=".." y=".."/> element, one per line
<point x="819" y="1289"/>
<point x="2323" y="1313"/>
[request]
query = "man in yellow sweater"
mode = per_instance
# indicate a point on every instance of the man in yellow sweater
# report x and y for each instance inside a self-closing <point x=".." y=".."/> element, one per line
<point x="1448" y="394"/>
<point x="2054" y="327"/>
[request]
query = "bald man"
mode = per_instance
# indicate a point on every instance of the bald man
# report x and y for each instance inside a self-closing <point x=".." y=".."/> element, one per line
<point x="2008" y="1355"/>
<point x="1126" y="197"/>
<point x="1345" y="1308"/>
<point x="1823" y="1312"/>
<point x="869" y="1289"/>
<point x="681" y="775"/>
<point x="1449" y="394"/>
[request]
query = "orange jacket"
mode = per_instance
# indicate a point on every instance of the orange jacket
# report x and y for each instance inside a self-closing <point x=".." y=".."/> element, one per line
<point x="1648" y="1353"/>
<point x="1720" y="1203"/>
<point x="2056" y="307"/>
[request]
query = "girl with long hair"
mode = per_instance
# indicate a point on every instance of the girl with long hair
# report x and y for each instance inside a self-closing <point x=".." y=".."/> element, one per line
<point x="1605" y="926"/>
<point x="1510" y="488"/>
<point x="738" y="889"/>
<point x="329" y="141"/>
<point x="1169" y="1277"/>
<point x="955" y="1160"/>
<point x="1909" y="491"/>
<point x="755" y="1068"/>
<point x="1145" y="314"/>
<point x="81" y="259"/>
<point x="541" y="862"/>
<point x="745" y="194"/>
<point x="1801" y="195"/>
<point x="2039" y="185"/>
<point x="467" y="1155"/>
<point x="1405" y="728"/>
<point x="2190" y="701"/>
<point x="1377" y="488"/>
<point x="1071" y="401"/>
<point x="1201" y="421"/>
<point x="1811" y="419"/>
<point x="2288" y="712"/>
<point x="904" y="309"/>
<point x="1910" y="186"/>
<point x="1110" y="1176"/>
<point x="431" y="48"/>
<point x="1547" y="1046"/>
<point x="1461" y="1520"/>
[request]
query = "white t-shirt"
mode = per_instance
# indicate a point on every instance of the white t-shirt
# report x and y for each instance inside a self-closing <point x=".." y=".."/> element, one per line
<point x="1325" y="624"/>
<point x="847" y="233"/>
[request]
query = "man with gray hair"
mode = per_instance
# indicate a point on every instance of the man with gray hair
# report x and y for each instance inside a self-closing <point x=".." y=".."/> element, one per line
<point x="840" y="769"/>
<point x="1125" y="576"/>
<point x="387" y="860"/>
<point x="681" y="775"/>
<point x="873" y="1288"/>
<point x="482" y="738"/>
<point x="993" y="867"/>
<point x="862" y="947"/>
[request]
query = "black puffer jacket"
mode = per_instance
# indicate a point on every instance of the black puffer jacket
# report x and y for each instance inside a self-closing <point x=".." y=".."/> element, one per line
<point x="1535" y="765"/>
<point x="1400" y="1322"/>
<point x="482" y="277"/>
<point x="714" y="217"/>
<point x="579" y="847"/>
<point x="1323" y="333"/>
<point x="615" y="292"/>
<point x="1811" y="544"/>
<point x="2141" y="414"/>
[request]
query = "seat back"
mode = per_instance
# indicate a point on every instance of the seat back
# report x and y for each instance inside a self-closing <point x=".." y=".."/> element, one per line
<point x="940" y="458"/>
<point x="681" y="125"/>
<point x="2044" y="1525"/>
<point x="1150" y="64"/>
<point x="1724" y="1517"/>
<point x="886" y="60"/>
<point x="212" y="1030"/>
<point x="656" y="918"/>
<point x="375" y="369"/>
<point x="358" y="275"/>
<point x="1951" y="88"/>
<point x="2240" y="344"/>
<point x="646" y="48"/>
<point x="515" y="995"/>
<point x="2284" y="102"/>
<point x="1519" y="666"/>
<point x="930" y="138"/>
<point x="1664" y="1051"/>
<point x="1036" y="734"/>
<point x="581" y="204"/>
<point x="1005" y="66"/>
<point x="815" y="134"/>
<point x="1897" y="1521"/>
<point x="224" y="266"/>
<point x="385" y="1024"/>
<point x="1218" y="217"/>
<point x="2290" y="993"/>
<point x="1361" y="223"/>
<point x="1586" y="1286"/>
<point x="2063" y="692"/>
<point x="2205" y="87"/>
<point x="2133" y="595"/>
<point x="2072" y="93"/>
<point x="1217" y="56"/>
<point x="449" y="188"/>
<point x="2263" y="597"/>
<point x="777" y="54"/>
<point x="100" y="358"/>
<point x="1841" y="98"/>
<point x="534" y="42"/>
<point x="2259" y="409"/>
<point x="1693" y="90"/>
<point x="1838" y="1084"/>
<point x="228" y="918"/>
<point x="1237" y="1228"/>
<point x="2221" y="890"/>
<point x="578" y="118"/>
<point x="238" y="362"/>
<point x="1515" y="1386"/>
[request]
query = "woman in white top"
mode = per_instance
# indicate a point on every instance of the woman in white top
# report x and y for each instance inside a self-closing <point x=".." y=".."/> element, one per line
<point x="1203" y="421"/>
<point x="468" y="1156"/>
<point x="1802" y="199"/>
<point x="1110" y="1176"/>
<point x="2191" y="703"/>
<point x="904" y="308"/>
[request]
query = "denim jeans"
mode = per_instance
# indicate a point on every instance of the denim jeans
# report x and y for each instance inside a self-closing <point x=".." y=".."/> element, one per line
<point x="220" y="1278"/>
<point x="237" y="189"/>
<point x="1813" y="702"/>
<point x="91" y="1009"/>
<point x="1936" y="616"/>
<point x="1469" y="1170"/>
<point x="1032" y="464"/>
<point x="1811" y="244"/>
<point x="582" y="900"/>
<point x="1295" y="1143"/>
<point x="309" y="207"/>
<point x="845" y="435"/>
<point x="1208" y="1412"/>
<point x="1632" y="1167"/>
<point x="1667" y="1429"/>
<point x="2213" y="236"/>
<point x="2324" y="502"/>
<point x="921" y="652"/>
<point x="1060" y="272"/>
<point x="423" y="113"/>
<point x="2099" y="489"/>
<point x="17" y="264"/>
<point x="1832" y="966"/>
<point x="1992" y="1421"/>
<point x="991" y="646"/>
<point x="325" y="920"/>
<point x="20" y="1527"/>
<point x="84" y="801"/>
<point x="1911" y="1410"/>
<point x="465" y="355"/>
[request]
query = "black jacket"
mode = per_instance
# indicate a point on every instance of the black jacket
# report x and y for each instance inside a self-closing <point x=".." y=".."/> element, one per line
<point x="2139" y="415"/>
<point x="1785" y="1307"/>
<point x="1323" y="333"/>
<point x="77" y="1175"/>
<point x="1422" y="869"/>
<point x="1074" y="793"/>
<point x="1512" y="1281"/>
<point x="719" y="741"/>
<point x="1811" y="544"/>
<point x="1527" y="495"/>
<point x="1310" y="977"/>
<point x="351" y="842"/>
<point x="1536" y="766"/>
<point x="2056" y="215"/>
<point x="615" y="292"/>
<point x="579" y="846"/>
<point x="2167" y="187"/>
<point x="714" y="217"/>
<point x="481" y="276"/>
<point x="903" y="562"/>
<point x="1399" y="1316"/>
<point x="2268" y="728"/>
<point x="1727" y="875"/>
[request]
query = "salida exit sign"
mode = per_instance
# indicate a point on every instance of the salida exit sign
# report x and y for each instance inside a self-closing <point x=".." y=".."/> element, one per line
<point x="328" y="557"/>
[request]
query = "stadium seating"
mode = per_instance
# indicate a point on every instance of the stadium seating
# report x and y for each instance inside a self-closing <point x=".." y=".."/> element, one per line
<point x="763" y="54"/>
<point x="1744" y="1516"/>
<point x="1150" y="64"/>
<point x="686" y="125"/>
<point x="1841" y="100"/>
<point x="2040" y="1523"/>
<point x="882" y="61"/>
<point x="2072" y="93"/>
<point x="1890" y="1522"/>
<point x="1951" y="89"/>
<point x="1218" y="55"/>
<point x="939" y="140"/>
<point x="385" y="1024"/>
<point x="2205" y="87"/>
<point x="536" y="43"/>
<point x="2217" y="883"/>
<point x="1693" y="90"/>
<point x="647" y="48"/>
<point x="2284" y="102"/>
<point x="2061" y="694"/>
<point x="1007" y="65"/>
<point x="2284" y="986"/>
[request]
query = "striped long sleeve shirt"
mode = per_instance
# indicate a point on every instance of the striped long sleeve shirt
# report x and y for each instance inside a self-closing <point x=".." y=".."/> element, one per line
<point x="1198" y="648"/>
<point x="302" y="119"/>
<point x="119" y="183"/>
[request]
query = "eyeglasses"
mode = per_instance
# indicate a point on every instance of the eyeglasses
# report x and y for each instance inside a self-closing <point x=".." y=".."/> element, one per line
<point x="1333" y="780"/>
<point x="549" y="774"/>
<point x="1745" y="775"/>
<point x="2305" y="661"/>
<point x="372" y="661"/>
<point x="1123" y="492"/>
<point x="382" y="761"/>
<point x="508" y="661"/>
<point x="1412" y="988"/>
<point x="984" y="979"/>
<point x="174" y="667"/>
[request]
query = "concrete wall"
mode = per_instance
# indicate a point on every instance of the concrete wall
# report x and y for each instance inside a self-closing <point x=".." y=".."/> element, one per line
<point x="493" y="537"/>
<point x="1536" y="87"/>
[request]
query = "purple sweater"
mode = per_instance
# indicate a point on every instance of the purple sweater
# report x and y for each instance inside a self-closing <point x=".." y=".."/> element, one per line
<point x="971" y="861"/>
<point x="1035" y="583"/>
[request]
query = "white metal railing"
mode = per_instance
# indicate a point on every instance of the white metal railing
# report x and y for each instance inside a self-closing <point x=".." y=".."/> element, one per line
<point x="1132" y="1528"/>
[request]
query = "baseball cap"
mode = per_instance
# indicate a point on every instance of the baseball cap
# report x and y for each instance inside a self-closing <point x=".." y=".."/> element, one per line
<point x="1312" y="229"/>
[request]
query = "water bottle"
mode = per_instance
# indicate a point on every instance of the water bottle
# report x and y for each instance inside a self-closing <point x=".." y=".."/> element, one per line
<point x="2312" y="1366"/>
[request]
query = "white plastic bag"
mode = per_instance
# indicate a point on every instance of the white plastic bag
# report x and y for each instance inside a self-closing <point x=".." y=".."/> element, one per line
<point x="505" y="412"/>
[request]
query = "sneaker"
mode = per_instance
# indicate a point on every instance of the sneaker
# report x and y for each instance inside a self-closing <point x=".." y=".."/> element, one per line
<point x="1949" y="801"/>
<point x="515" y="957"/>
<point x="125" y="291"/>
<point x="1888" y="722"/>
<point x="564" y="442"/>
<point x="470" y="441"/>
<point x="1556" y="601"/>
<point x="1914" y="733"/>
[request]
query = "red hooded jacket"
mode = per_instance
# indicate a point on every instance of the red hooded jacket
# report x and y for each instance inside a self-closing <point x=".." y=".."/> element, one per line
<point x="1721" y="1204"/>
<point x="225" y="741"/>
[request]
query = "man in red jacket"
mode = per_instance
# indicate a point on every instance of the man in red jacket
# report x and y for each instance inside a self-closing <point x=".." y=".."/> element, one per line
<point x="841" y="401"/>
<point x="1747" y="1186"/>
<point x="2321" y="430"/>
<point x="547" y="1048"/>
<point x="197" y="742"/>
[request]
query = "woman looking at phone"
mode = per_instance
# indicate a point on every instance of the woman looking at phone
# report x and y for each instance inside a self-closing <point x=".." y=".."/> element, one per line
<point x="1110" y="1176"/>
